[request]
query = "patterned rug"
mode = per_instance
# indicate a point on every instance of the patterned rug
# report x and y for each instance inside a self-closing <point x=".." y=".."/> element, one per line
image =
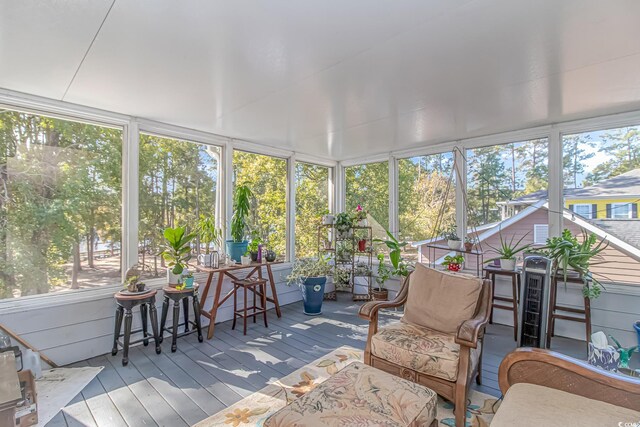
<point x="255" y="409"/>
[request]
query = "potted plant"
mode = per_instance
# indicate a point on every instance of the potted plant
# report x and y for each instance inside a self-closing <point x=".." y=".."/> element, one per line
<point x="188" y="281"/>
<point x="453" y="263"/>
<point x="254" y="246"/>
<point x="327" y="218"/>
<point x="469" y="242"/>
<point x="344" y="226"/>
<point x="176" y="252"/>
<point x="344" y="252"/>
<point x="310" y="274"/>
<point x="237" y="246"/>
<point x="246" y="258"/>
<point x="360" y="217"/>
<point x="341" y="278"/>
<point x="571" y="256"/>
<point x="453" y="241"/>
<point x="270" y="255"/>
<point x="209" y="235"/>
<point x="362" y="269"/>
<point x="133" y="284"/>
<point x="508" y="251"/>
<point x="384" y="273"/>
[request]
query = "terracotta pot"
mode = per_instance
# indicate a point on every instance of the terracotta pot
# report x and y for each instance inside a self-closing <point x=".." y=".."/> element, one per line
<point x="468" y="247"/>
<point x="362" y="245"/>
<point x="380" y="294"/>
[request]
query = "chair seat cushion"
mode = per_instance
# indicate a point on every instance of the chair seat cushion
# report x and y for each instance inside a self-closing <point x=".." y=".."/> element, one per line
<point x="423" y="350"/>
<point x="528" y="405"/>
<point x="360" y="395"/>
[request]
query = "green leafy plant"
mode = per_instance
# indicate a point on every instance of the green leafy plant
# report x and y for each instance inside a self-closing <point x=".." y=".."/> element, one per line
<point x="177" y="249"/>
<point x="509" y="249"/>
<point x="451" y="234"/>
<point x="360" y="214"/>
<point x="308" y="267"/>
<point x="254" y="243"/>
<point x="456" y="259"/>
<point x="395" y="254"/>
<point x="208" y="233"/>
<point x="343" y="222"/>
<point x="568" y="253"/>
<point x="342" y="276"/>
<point x="362" y="269"/>
<point x="241" y="206"/>
<point x="384" y="272"/>
<point x="344" y="251"/>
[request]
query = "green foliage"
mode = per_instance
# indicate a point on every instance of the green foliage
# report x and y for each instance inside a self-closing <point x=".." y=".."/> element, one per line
<point x="400" y="267"/>
<point x="308" y="267"/>
<point x="254" y="243"/>
<point x="509" y="249"/>
<point x="312" y="201"/>
<point x="384" y="272"/>
<point x="455" y="260"/>
<point x="567" y="252"/>
<point x="177" y="248"/>
<point x="241" y="206"/>
<point x="368" y="185"/>
<point x="451" y="234"/>
<point x="343" y="222"/>
<point x="622" y="146"/>
<point x="207" y="232"/>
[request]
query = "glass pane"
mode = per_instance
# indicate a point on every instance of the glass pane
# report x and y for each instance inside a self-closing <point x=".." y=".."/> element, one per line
<point x="312" y="200"/>
<point x="60" y="205"/>
<point x="178" y="182"/>
<point x="368" y="186"/>
<point x="426" y="197"/>
<point x="267" y="178"/>
<point x="602" y="177"/>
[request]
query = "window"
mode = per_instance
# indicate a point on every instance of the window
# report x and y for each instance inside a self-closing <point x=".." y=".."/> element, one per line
<point x="312" y="200"/>
<point x="621" y="210"/>
<point x="267" y="178"/>
<point x="584" y="210"/>
<point x="178" y="181"/>
<point x="426" y="197"/>
<point x="540" y="234"/>
<point x="60" y="204"/>
<point x="368" y="186"/>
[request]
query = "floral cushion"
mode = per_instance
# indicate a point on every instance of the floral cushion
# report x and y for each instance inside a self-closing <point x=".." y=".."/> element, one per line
<point x="420" y="349"/>
<point x="360" y="395"/>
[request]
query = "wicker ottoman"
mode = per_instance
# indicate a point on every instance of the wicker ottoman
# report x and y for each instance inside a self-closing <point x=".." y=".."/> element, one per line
<point x="360" y="395"/>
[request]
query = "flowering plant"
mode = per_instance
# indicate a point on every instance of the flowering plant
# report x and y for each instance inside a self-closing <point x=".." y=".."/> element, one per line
<point x="359" y="214"/>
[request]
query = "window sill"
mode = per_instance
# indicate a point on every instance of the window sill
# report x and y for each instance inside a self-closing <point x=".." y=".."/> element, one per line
<point x="13" y="305"/>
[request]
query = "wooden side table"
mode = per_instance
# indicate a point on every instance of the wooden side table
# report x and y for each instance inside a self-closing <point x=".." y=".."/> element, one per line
<point x="175" y="295"/>
<point x="516" y="281"/>
<point x="125" y="303"/>
<point x="259" y="288"/>
<point x="554" y="308"/>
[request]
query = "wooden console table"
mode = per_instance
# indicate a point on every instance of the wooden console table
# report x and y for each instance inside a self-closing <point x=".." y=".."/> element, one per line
<point x="229" y="270"/>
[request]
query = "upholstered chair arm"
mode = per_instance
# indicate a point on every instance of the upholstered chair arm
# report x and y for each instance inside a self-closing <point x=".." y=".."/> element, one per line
<point x="369" y="310"/>
<point x="470" y="331"/>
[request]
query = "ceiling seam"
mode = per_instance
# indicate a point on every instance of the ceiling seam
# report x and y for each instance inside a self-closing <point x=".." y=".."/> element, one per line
<point x="87" y="51"/>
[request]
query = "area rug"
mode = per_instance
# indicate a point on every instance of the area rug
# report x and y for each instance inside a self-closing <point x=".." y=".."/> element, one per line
<point x="255" y="409"/>
<point x="57" y="387"/>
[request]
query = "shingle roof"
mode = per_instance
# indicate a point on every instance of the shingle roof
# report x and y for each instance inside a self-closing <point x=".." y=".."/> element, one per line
<point x="627" y="230"/>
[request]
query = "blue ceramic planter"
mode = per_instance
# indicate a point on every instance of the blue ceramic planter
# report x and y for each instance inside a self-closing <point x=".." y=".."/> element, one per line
<point x="637" y="327"/>
<point x="235" y="250"/>
<point x="313" y="294"/>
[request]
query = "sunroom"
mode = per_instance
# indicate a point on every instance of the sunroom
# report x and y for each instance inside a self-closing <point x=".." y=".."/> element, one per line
<point x="319" y="213"/>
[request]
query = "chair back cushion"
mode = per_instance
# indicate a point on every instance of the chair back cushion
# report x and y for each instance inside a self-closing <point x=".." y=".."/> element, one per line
<point x="441" y="300"/>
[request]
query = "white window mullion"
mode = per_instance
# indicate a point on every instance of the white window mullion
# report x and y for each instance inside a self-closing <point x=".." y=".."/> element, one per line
<point x="228" y="189"/>
<point x="460" y="166"/>
<point x="393" y="196"/>
<point x="130" y="153"/>
<point x="291" y="208"/>
<point x="556" y="199"/>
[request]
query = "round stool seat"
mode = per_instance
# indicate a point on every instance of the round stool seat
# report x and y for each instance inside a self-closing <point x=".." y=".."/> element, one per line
<point x="171" y="290"/>
<point x="122" y="296"/>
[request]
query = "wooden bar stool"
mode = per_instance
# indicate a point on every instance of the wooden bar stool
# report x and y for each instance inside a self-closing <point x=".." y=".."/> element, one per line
<point x="516" y="281"/>
<point x="554" y="308"/>
<point x="175" y="295"/>
<point x="259" y="288"/>
<point x="125" y="303"/>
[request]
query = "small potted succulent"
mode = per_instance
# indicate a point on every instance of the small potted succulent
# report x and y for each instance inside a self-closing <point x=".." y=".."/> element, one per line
<point x="360" y="217"/>
<point x="344" y="226"/>
<point x="270" y="255"/>
<point x="508" y="251"/>
<point x="469" y="242"/>
<point x="176" y="252"/>
<point x="453" y="263"/>
<point x="453" y="241"/>
<point x="310" y="274"/>
<point x="133" y="284"/>
<point x="254" y="246"/>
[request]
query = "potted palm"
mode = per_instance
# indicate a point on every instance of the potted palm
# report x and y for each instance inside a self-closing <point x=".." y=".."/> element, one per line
<point x="508" y="251"/>
<point x="209" y="236"/>
<point x="310" y="274"/>
<point x="572" y="256"/>
<point x="176" y="252"/>
<point x="237" y="246"/>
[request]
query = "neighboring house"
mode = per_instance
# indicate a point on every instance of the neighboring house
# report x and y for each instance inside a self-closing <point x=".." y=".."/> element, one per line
<point x="614" y="198"/>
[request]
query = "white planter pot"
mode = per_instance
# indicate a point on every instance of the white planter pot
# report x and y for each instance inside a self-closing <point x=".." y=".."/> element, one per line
<point x="245" y="260"/>
<point x="362" y="223"/>
<point x="454" y="244"/>
<point x="173" y="279"/>
<point x="327" y="219"/>
<point x="508" y="264"/>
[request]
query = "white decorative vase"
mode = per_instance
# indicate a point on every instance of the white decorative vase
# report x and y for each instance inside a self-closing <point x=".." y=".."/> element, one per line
<point x="173" y="280"/>
<point x="454" y="244"/>
<point x="508" y="264"/>
<point x="245" y="260"/>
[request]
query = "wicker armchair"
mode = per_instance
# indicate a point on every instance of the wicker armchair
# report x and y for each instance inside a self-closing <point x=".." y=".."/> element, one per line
<point x="438" y="343"/>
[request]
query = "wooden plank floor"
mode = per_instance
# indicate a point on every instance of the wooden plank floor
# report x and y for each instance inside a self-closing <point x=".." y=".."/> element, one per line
<point x="182" y="388"/>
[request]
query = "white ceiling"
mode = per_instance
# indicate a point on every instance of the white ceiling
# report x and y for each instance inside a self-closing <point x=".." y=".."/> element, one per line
<point x="334" y="78"/>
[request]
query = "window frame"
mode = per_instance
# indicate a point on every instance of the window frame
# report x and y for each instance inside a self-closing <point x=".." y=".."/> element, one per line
<point x="615" y="208"/>
<point x="582" y="205"/>
<point x="536" y="240"/>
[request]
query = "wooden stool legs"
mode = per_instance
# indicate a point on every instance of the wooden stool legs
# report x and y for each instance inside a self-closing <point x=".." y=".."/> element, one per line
<point x="177" y="297"/>
<point x="259" y="288"/>
<point x="554" y="308"/>
<point x="124" y="306"/>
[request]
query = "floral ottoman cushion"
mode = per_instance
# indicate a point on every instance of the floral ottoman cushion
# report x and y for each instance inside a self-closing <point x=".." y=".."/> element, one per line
<point x="360" y="395"/>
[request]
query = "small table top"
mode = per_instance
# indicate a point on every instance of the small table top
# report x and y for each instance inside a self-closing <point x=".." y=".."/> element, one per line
<point x="173" y="290"/>
<point x="233" y="267"/>
<point x="133" y="297"/>
<point x="447" y="248"/>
